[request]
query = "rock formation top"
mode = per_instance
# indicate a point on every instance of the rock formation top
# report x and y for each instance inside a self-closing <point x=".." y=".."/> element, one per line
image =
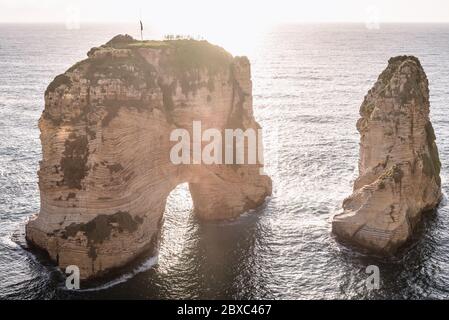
<point x="399" y="166"/>
<point x="106" y="132"/>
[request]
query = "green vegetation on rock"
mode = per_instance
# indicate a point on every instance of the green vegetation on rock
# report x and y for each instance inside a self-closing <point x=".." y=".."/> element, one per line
<point x="185" y="54"/>
<point x="431" y="161"/>
<point x="74" y="161"/>
<point x="60" y="80"/>
<point x="100" y="228"/>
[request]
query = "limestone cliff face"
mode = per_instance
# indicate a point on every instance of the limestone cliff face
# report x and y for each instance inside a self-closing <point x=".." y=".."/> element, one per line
<point x="399" y="165"/>
<point x="105" y="131"/>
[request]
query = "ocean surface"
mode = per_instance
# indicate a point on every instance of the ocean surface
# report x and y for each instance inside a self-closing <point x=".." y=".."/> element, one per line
<point x="308" y="82"/>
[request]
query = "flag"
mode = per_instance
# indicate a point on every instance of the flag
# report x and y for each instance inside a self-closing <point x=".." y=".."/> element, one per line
<point x="141" y="30"/>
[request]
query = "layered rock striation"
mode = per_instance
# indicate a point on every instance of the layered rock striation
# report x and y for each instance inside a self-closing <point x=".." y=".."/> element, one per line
<point x="399" y="166"/>
<point x="106" y="170"/>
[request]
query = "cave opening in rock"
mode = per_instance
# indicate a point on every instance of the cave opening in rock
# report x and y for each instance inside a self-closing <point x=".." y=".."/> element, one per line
<point x="176" y="227"/>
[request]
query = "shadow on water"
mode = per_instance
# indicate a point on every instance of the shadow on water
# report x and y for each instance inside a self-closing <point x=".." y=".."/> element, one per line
<point x="197" y="260"/>
<point x="228" y="255"/>
<point x="409" y="274"/>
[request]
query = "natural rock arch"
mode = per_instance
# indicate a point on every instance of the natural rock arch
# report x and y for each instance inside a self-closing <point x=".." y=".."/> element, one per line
<point x="105" y="132"/>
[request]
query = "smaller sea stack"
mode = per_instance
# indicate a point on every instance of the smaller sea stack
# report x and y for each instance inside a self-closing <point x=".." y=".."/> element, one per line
<point x="399" y="166"/>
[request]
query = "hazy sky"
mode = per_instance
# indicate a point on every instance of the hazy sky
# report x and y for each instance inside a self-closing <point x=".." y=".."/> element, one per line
<point x="221" y="13"/>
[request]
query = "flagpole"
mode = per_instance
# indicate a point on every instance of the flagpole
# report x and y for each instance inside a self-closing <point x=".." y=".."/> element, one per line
<point x="141" y="24"/>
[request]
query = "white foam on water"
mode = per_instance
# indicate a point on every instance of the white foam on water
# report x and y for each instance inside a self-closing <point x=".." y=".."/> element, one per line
<point x="8" y="242"/>
<point x="144" y="266"/>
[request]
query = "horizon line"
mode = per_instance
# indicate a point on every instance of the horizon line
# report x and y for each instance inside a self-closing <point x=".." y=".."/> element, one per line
<point x="271" y="23"/>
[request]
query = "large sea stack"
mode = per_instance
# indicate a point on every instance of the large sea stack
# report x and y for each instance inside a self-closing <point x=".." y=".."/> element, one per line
<point x="399" y="167"/>
<point x="106" y="170"/>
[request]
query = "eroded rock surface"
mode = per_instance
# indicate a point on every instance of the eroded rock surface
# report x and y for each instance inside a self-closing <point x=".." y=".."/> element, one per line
<point x="105" y="132"/>
<point x="399" y="166"/>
